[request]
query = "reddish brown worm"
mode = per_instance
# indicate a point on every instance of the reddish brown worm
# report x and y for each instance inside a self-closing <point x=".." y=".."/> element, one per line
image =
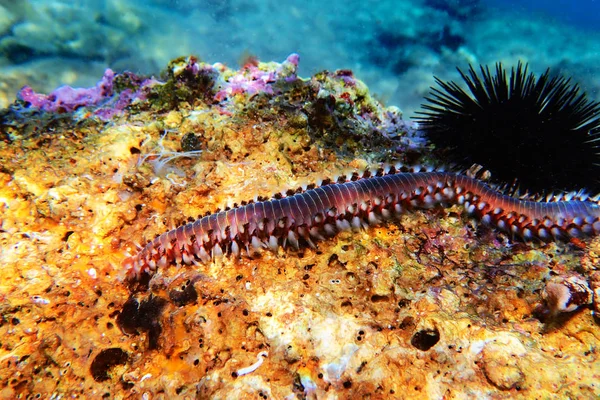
<point x="315" y="213"/>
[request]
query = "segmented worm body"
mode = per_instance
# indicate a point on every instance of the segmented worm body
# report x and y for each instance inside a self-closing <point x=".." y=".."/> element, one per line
<point x="355" y="202"/>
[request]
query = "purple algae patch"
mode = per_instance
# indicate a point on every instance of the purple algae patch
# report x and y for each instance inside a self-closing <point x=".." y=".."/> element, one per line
<point x="251" y="79"/>
<point x="68" y="99"/>
<point x="102" y="98"/>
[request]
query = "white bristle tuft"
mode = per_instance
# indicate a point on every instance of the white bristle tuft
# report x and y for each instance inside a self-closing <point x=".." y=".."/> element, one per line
<point x="373" y="219"/>
<point x="203" y="254"/>
<point x="235" y="248"/>
<point x="356" y="224"/>
<point x="162" y="262"/>
<point x="314" y="232"/>
<point x="428" y="201"/>
<point x="342" y="224"/>
<point x="329" y="229"/>
<point x="217" y="251"/>
<point x="273" y="245"/>
<point x="556" y="232"/>
<point x="293" y="239"/>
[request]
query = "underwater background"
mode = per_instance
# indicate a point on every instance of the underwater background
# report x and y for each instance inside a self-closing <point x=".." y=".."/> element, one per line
<point x="396" y="47"/>
<point x="134" y="136"/>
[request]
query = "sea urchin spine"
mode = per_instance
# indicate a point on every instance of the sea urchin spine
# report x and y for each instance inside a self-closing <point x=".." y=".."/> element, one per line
<point x="354" y="202"/>
<point x="544" y="133"/>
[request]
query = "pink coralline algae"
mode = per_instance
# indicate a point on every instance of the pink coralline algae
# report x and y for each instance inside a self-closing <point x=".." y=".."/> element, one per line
<point x="109" y="98"/>
<point x="68" y="99"/>
<point x="103" y="97"/>
<point x="338" y="104"/>
<point x="252" y="79"/>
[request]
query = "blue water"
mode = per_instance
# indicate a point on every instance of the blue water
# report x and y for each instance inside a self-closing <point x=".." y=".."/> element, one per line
<point x="583" y="14"/>
<point x="396" y="47"/>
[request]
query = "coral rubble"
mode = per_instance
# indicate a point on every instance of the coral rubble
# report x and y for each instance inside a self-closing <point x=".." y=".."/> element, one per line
<point x="431" y="305"/>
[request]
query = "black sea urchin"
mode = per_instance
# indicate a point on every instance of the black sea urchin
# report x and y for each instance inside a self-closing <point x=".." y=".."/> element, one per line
<point x="542" y="133"/>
